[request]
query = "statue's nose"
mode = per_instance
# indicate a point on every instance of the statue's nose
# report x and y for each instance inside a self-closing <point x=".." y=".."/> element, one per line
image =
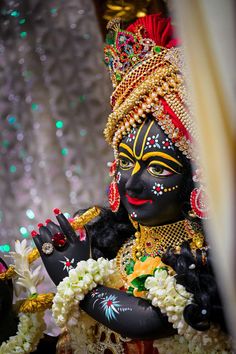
<point x="134" y="186"/>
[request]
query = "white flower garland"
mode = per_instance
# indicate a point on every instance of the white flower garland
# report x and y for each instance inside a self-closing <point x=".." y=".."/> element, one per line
<point x="72" y="289"/>
<point x="31" y="326"/>
<point x="29" y="332"/>
<point x="172" y="298"/>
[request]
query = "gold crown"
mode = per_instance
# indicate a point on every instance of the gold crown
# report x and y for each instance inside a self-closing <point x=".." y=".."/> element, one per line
<point x="147" y="79"/>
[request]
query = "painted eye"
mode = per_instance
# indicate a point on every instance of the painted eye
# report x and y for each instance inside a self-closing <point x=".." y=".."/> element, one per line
<point x="158" y="171"/>
<point x="125" y="164"/>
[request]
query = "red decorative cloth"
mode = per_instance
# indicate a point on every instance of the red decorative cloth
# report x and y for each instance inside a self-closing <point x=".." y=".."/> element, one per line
<point x="158" y="29"/>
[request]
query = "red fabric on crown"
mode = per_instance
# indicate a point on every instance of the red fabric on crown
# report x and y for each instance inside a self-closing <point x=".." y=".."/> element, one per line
<point x="175" y="120"/>
<point x="158" y="29"/>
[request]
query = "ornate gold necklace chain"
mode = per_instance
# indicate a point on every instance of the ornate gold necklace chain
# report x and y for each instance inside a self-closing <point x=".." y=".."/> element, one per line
<point x="154" y="241"/>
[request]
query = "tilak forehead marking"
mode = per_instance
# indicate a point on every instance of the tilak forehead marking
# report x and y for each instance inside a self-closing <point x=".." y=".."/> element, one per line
<point x="141" y="137"/>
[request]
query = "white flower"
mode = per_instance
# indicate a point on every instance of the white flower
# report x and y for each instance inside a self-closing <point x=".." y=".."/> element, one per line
<point x="27" y="279"/>
<point x="29" y="332"/>
<point x="31" y="326"/>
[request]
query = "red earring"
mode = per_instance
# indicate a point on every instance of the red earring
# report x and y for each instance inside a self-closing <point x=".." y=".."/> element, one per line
<point x="113" y="194"/>
<point x="198" y="201"/>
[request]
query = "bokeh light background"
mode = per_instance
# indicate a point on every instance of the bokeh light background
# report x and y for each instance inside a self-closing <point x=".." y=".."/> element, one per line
<point x="54" y="101"/>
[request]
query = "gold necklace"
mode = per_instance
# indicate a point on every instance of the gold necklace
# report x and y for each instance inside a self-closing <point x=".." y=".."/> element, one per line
<point x="154" y="241"/>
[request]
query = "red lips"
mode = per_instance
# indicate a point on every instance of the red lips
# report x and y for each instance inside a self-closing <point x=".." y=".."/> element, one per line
<point x="136" y="201"/>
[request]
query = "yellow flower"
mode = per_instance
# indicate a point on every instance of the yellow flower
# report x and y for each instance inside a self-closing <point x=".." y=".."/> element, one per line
<point x="142" y="294"/>
<point x="144" y="268"/>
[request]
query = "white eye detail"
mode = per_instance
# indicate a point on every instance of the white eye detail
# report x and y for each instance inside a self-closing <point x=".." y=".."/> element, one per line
<point x="125" y="164"/>
<point x="158" y="171"/>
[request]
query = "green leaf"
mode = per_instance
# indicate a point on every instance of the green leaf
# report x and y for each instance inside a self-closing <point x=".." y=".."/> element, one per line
<point x="143" y="258"/>
<point x="160" y="268"/>
<point x="130" y="290"/>
<point x="130" y="267"/>
<point x="139" y="282"/>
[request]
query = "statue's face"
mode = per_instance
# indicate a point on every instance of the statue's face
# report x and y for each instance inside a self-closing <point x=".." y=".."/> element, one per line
<point x="150" y="175"/>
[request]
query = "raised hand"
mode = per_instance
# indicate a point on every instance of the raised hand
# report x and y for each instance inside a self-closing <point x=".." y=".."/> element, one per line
<point x="60" y="247"/>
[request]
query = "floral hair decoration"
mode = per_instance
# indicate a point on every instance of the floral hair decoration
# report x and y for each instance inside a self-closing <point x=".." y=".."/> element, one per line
<point x="146" y="68"/>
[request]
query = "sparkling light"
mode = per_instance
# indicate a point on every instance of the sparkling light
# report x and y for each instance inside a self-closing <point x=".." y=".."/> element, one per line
<point x="22" y="21"/>
<point x="11" y="119"/>
<point x="64" y="151"/>
<point x="34" y="106"/>
<point x="12" y="169"/>
<point x="30" y="214"/>
<point x="5" y="248"/>
<point x="23" y="34"/>
<point x="83" y="132"/>
<point x="53" y="10"/>
<point x="24" y="232"/>
<point x="59" y="124"/>
<point x="15" y="13"/>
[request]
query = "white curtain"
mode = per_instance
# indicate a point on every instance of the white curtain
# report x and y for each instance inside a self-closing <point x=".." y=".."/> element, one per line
<point x="208" y="32"/>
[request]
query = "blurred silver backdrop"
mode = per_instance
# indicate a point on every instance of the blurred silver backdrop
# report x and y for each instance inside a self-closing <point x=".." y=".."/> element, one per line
<point x="54" y="101"/>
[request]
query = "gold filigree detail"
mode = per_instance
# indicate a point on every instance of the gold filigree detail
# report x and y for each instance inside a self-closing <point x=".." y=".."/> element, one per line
<point x="154" y="241"/>
<point x="80" y="221"/>
<point x="39" y="302"/>
<point x="107" y="340"/>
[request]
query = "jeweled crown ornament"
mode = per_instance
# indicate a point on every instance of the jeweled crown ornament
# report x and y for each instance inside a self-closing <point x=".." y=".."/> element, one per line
<point x="145" y="67"/>
<point x="127" y="50"/>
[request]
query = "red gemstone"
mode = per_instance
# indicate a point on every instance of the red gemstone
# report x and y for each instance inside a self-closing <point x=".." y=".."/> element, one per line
<point x="34" y="233"/>
<point x="68" y="264"/>
<point x="148" y="244"/>
<point x="57" y="211"/>
<point x="48" y="221"/>
<point x="40" y="225"/>
<point x="59" y="239"/>
<point x="152" y="141"/>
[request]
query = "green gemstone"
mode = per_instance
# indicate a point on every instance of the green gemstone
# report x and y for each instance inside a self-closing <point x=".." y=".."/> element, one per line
<point x="118" y="77"/>
<point x="157" y="49"/>
<point x="110" y="38"/>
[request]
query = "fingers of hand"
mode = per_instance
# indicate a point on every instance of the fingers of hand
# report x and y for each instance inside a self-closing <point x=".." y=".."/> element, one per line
<point x="54" y="228"/>
<point x="66" y="227"/>
<point x="45" y="234"/>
